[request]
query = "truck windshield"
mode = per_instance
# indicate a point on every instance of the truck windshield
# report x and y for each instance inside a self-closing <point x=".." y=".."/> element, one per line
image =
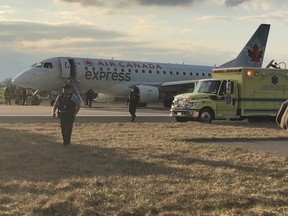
<point x="207" y="86"/>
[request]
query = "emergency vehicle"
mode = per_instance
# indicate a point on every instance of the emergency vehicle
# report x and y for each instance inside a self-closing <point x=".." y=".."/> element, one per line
<point x="241" y="93"/>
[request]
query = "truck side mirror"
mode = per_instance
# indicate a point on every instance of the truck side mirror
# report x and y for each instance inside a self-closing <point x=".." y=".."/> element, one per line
<point x="228" y="92"/>
<point x="228" y="87"/>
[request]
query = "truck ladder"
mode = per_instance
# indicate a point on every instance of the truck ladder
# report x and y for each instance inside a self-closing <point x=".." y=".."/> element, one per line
<point x="76" y="87"/>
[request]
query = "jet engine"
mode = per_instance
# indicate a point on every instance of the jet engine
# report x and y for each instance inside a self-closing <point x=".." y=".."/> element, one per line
<point x="148" y="93"/>
<point x="104" y="98"/>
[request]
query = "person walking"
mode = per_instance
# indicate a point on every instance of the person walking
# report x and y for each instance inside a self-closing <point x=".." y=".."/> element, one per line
<point x="7" y="95"/>
<point x="89" y="97"/>
<point x="68" y="106"/>
<point x="18" y="95"/>
<point x="133" y="101"/>
<point x="24" y="96"/>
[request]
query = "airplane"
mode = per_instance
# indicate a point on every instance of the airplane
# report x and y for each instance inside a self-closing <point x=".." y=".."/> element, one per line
<point x="114" y="78"/>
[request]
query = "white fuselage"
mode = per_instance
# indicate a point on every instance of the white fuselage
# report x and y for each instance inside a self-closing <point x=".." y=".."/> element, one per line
<point x="106" y="76"/>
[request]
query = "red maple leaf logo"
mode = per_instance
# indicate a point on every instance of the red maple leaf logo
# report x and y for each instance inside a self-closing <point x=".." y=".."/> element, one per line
<point x="88" y="62"/>
<point x="255" y="53"/>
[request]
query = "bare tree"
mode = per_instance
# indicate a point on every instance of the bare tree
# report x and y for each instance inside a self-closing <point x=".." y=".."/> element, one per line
<point x="8" y="82"/>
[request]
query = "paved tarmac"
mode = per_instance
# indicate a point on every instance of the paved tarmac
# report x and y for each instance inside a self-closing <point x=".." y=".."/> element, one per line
<point x="99" y="113"/>
<point x="106" y="113"/>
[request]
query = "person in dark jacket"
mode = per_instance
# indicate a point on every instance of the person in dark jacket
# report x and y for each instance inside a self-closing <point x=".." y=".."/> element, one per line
<point x="8" y="95"/>
<point x="133" y="101"/>
<point x="89" y="97"/>
<point x="24" y="96"/>
<point x="68" y="106"/>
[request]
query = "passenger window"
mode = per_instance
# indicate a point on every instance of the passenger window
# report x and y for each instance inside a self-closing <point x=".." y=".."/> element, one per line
<point x="47" y="65"/>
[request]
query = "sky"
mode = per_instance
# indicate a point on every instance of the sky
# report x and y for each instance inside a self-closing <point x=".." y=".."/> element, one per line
<point x="200" y="32"/>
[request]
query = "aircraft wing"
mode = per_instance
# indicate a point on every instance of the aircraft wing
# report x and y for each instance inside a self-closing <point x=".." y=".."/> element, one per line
<point x="173" y="87"/>
<point x="179" y="83"/>
<point x="165" y="90"/>
<point x="178" y="87"/>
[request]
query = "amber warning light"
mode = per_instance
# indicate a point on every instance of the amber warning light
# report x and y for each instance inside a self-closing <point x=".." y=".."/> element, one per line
<point x="249" y="73"/>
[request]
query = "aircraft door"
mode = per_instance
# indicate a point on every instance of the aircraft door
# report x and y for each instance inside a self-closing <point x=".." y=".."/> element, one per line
<point x="68" y="68"/>
<point x="72" y="68"/>
<point x="65" y="67"/>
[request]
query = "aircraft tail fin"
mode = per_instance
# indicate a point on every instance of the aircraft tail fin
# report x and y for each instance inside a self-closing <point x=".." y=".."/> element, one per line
<point x="252" y="54"/>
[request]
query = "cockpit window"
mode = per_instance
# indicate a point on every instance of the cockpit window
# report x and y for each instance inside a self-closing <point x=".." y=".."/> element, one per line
<point x="39" y="64"/>
<point x="47" y="65"/>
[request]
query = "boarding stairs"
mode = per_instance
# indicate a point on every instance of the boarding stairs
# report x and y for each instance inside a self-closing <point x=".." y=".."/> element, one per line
<point x="77" y="88"/>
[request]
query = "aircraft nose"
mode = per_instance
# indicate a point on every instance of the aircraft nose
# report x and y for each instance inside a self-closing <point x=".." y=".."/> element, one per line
<point x="21" y="80"/>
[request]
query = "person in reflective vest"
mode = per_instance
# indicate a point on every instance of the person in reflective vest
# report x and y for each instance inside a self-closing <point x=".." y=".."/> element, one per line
<point x="68" y="106"/>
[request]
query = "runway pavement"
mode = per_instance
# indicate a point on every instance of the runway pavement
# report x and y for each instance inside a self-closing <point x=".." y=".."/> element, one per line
<point x="99" y="113"/>
<point x="106" y="113"/>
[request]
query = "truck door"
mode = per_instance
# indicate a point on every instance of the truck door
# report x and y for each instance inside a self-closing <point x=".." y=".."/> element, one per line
<point x="68" y="68"/>
<point x="227" y="102"/>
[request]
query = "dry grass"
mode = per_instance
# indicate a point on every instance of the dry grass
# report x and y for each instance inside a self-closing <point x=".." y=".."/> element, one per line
<point x="141" y="169"/>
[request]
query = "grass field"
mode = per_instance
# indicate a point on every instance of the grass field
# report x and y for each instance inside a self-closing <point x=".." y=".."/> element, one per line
<point x="141" y="169"/>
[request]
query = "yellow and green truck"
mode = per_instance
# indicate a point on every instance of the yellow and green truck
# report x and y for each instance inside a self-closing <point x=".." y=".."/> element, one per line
<point x="241" y="93"/>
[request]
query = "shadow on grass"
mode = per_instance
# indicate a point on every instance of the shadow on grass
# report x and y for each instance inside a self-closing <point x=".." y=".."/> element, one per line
<point x="26" y="155"/>
<point x="245" y="168"/>
<point x="232" y="140"/>
<point x="30" y="156"/>
<point x="247" y="124"/>
<point x="230" y="165"/>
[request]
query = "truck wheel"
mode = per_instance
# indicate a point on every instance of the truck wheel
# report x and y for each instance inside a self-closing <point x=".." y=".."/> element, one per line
<point x="182" y="119"/>
<point x="206" y="115"/>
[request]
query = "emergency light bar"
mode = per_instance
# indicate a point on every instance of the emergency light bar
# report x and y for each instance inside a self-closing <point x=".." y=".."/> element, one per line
<point x="249" y="73"/>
